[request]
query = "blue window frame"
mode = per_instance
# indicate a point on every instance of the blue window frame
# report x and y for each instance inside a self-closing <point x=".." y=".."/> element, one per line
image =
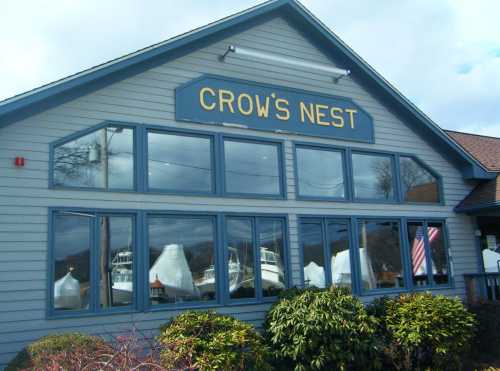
<point x="320" y="173"/>
<point x="252" y="167"/>
<point x="429" y="253"/>
<point x="180" y="162"/>
<point x="382" y="253"/>
<point x="326" y="252"/>
<point x="255" y="256"/>
<point x="92" y="262"/>
<point x="127" y="251"/>
<point x="367" y="176"/>
<point x="103" y="157"/>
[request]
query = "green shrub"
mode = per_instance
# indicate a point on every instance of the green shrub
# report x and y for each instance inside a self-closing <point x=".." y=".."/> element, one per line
<point x="424" y="332"/>
<point x="313" y="329"/>
<point x="209" y="341"/>
<point x="35" y="355"/>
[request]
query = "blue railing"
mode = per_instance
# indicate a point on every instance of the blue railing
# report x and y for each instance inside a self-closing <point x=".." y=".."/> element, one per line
<point x="481" y="287"/>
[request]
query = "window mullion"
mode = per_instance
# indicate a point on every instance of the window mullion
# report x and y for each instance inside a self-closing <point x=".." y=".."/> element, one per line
<point x="95" y="273"/>
<point x="326" y="250"/>
<point x="428" y="257"/>
<point x="356" y="278"/>
<point x="256" y="246"/>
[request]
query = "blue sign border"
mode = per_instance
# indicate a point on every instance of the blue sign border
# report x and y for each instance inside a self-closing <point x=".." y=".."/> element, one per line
<point x="185" y="111"/>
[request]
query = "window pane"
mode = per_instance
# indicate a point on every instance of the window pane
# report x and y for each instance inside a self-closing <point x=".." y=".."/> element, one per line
<point x="181" y="259"/>
<point x="240" y="258"/>
<point x="72" y="261"/>
<point x="101" y="159"/>
<point x="380" y="255"/>
<point x="179" y="162"/>
<point x="438" y="253"/>
<point x="320" y="173"/>
<point x="116" y="261"/>
<point x="272" y="264"/>
<point x="313" y="254"/>
<point x="338" y="237"/>
<point x="418" y="255"/>
<point x="373" y="176"/>
<point x="418" y="184"/>
<point x="252" y="168"/>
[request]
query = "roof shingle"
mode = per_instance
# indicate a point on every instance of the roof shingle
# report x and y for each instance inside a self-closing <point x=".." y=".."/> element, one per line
<point x="484" y="149"/>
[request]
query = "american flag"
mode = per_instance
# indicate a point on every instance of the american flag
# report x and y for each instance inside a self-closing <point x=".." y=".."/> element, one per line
<point x="418" y="249"/>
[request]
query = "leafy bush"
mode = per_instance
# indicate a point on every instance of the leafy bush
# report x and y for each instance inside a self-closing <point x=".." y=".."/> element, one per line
<point x="423" y="331"/>
<point x="76" y="351"/>
<point x="209" y="341"/>
<point x="313" y="329"/>
<point x="37" y="354"/>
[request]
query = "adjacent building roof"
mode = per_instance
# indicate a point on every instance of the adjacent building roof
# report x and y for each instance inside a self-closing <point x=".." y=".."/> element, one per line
<point x="486" y="150"/>
<point x="61" y="91"/>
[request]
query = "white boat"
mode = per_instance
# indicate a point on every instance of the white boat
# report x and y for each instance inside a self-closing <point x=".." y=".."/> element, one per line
<point x="122" y="277"/>
<point x="172" y="270"/>
<point x="67" y="293"/>
<point x="273" y="275"/>
<point x="207" y="283"/>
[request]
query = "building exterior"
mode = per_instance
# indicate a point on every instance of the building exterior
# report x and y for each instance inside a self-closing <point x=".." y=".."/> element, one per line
<point x="217" y="168"/>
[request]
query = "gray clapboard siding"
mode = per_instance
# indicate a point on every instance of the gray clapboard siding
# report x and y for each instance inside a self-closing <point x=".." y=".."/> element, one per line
<point x="149" y="98"/>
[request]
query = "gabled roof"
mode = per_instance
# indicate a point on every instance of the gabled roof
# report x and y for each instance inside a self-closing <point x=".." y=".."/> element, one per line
<point x="483" y="148"/>
<point x="51" y="95"/>
<point x="485" y="196"/>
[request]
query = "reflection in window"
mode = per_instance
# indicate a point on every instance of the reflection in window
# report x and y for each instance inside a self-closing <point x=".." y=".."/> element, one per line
<point x="181" y="259"/>
<point x="418" y="184"/>
<point x="179" y="162"/>
<point x="272" y="267"/>
<point x="72" y="261"/>
<point x="373" y="176"/>
<point x="418" y="254"/>
<point x="380" y="254"/>
<point x="101" y="159"/>
<point x="439" y="257"/>
<point x="320" y="173"/>
<point x="338" y="238"/>
<point x="240" y="263"/>
<point x="252" y="168"/>
<point x="313" y="254"/>
<point x="116" y="261"/>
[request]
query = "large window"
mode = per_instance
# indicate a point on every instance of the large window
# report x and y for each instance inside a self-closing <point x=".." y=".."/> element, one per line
<point x="252" y="168"/>
<point x="320" y="173"/>
<point x="255" y="257"/>
<point x="373" y="176"/>
<point x="103" y="159"/>
<point x="417" y="183"/>
<point x="180" y="163"/>
<point x="429" y="258"/>
<point x="380" y="254"/>
<point x="182" y="259"/>
<point x="81" y="238"/>
<point x="326" y="252"/>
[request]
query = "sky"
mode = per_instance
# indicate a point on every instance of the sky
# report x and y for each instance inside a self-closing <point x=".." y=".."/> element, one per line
<point x="444" y="55"/>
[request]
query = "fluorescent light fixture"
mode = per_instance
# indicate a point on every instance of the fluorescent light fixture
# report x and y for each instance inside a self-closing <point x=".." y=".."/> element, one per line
<point x="337" y="72"/>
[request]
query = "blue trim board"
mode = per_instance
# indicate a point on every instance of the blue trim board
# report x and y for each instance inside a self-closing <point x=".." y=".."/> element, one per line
<point x="90" y="80"/>
<point x="141" y="260"/>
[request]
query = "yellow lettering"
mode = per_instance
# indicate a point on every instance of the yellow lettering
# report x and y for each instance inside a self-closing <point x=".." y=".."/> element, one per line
<point x="336" y="114"/>
<point x="320" y="115"/>
<point x="305" y="112"/>
<point x="284" y="111"/>
<point x="249" y="100"/>
<point x="262" y="110"/>
<point x="226" y="97"/>
<point x="351" y="113"/>
<point x="206" y="106"/>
